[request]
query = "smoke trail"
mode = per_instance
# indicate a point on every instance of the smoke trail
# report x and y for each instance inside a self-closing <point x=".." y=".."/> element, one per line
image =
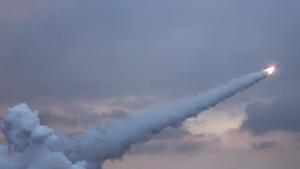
<point x="89" y="149"/>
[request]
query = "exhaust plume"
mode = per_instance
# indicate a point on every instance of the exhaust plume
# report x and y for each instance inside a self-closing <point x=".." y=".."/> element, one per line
<point x="35" y="146"/>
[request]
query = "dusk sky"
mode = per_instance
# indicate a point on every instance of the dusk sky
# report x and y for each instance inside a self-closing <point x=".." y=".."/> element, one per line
<point x="83" y="62"/>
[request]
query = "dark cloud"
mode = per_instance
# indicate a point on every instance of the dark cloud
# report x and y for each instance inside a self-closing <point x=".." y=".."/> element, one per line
<point x="161" y="147"/>
<point x="149" y="148"/>
<point x="170" y="140"/>
<point x="188" y="147"/>
<point x="281" y="115"/>
<point x="172" y="133"/>
<point x="66" y="52"/>
<point x="80" y="119"/>
<point x="86" y="50"/>
<point x="56" y="55"/>
<point x="264" y="145"/>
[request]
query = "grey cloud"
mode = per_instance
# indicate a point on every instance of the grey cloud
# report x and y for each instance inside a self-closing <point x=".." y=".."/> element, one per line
<point x="188" y="147"/>
<point x="76" y="50"/>
<point x="64" y="52"/>
<point x="281" y="115"/>
<point x="264" y="145"/>
<point x="161" y="147"/>
<point x="149" y="148"/>
<point x="172" y="133"/>
<point x="81" y="120"/>
<point x="170" y="140"/>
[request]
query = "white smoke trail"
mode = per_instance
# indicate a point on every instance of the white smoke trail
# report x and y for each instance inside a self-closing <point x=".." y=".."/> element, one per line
<point x="39" y="147"/>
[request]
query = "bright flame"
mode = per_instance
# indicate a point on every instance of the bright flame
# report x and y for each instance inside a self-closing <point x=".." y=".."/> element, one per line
<point x="270" y="70"/>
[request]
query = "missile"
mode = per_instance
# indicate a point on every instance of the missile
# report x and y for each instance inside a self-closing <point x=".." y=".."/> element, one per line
<point x="272" y="69"/>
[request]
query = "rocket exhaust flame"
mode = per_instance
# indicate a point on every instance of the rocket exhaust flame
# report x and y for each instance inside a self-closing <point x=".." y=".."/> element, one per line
<point x="88" y="150"/>
<point x="270" y="70"/>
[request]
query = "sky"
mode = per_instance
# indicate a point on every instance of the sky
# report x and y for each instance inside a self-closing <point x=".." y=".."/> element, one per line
<point x="81" y="63"/>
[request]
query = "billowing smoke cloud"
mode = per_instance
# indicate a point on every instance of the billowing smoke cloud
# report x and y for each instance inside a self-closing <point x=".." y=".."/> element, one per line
<point x="34" y="146"/>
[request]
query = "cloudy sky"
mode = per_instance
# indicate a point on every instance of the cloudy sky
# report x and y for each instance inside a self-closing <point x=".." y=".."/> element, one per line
<point x="81" y="63"/>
